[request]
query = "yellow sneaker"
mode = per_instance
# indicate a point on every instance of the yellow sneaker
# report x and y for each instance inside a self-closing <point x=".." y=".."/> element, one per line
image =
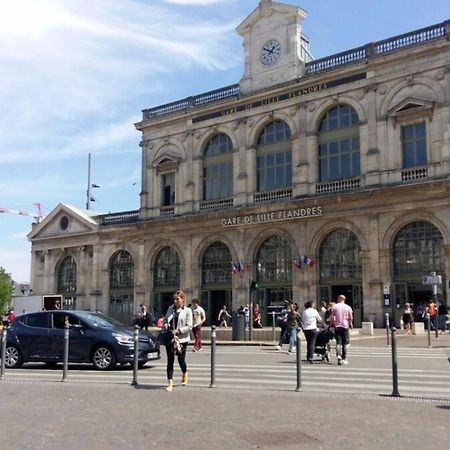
<point x="169" y="387"/>
<point x="184" y="379"/>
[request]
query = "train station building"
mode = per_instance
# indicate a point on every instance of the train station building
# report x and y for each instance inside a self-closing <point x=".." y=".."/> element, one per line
<point x="313" y="177"/>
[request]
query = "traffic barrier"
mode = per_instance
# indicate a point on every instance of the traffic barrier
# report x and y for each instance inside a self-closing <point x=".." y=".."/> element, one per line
<point x="213" y="357"/>
<point x="66" y="350"/>
<point x="134" y="382"/>
<point x="299" y="362"/>
<point x="418" y="328"/>
<point x="367" y="328"/>
<point x="395" y="392"/>
<point x="3" y="353"/>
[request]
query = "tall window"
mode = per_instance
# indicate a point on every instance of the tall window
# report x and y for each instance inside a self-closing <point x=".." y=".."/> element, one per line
<point x="414" y="145"/>
<point x="418" y="250"/>
<point x="340" y="256"/>
<point x="218" y="168"/>
<point x="338" y="139"/>
<point x="167" y="268"/>
<point x="67" y="275"/>
<point x="274" y="260"/>
<point x="121" y="272"/>
<point x="274" y="157"/>
<point x="168" y="189"/>
<point x="216" y="264"/>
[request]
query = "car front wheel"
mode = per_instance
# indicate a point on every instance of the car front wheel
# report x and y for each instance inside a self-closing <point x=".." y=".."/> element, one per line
<point x="103" y="358"/>
<point x="13" y="358"/>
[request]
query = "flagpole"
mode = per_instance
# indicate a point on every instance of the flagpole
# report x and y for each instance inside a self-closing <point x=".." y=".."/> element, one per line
<point x="88" y="192"/>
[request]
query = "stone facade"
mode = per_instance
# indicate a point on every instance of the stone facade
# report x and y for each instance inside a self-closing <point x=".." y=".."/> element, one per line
<point x="391" y="86"/>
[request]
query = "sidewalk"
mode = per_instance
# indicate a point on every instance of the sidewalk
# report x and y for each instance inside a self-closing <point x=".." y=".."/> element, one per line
<point x="54" y="416"/>
<point x="379" y="338"/>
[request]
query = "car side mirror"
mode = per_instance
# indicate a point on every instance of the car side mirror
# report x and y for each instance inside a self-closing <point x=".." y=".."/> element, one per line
<point x="78" y="327"/>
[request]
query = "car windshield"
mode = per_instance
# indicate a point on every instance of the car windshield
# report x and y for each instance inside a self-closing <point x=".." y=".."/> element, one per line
<point x="99" y="320"/>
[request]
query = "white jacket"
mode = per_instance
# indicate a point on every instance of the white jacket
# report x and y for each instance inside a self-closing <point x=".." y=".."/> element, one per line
<point x="184" y="324"/>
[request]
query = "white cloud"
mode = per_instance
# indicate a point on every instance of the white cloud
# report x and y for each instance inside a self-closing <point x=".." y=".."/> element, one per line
<point x="196" y="2"/>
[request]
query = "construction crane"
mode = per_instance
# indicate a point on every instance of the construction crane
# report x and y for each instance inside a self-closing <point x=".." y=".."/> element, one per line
<point x="38" y="216"/>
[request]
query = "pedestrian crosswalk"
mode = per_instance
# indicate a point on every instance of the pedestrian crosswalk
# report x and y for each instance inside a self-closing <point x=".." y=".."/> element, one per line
<point x="421" y="372"/>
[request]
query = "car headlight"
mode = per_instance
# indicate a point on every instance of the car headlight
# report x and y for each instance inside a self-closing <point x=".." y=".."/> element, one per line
<point x="124" y="339"/>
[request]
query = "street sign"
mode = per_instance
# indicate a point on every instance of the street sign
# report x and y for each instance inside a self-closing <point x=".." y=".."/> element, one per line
<point x="431" y="279"/>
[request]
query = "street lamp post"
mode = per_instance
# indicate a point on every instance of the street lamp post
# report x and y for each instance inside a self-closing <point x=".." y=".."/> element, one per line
<point x="90" y="185"/>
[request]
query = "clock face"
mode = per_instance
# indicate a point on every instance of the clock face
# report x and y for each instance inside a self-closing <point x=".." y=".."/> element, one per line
<point x="270" y="52"/>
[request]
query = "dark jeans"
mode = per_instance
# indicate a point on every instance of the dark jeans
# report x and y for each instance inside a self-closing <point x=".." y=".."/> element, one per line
<point x="342" y="340"/>
<point x="196" y="331"/>
<point x="310" y="336"/>
<point x="171" y="359"/>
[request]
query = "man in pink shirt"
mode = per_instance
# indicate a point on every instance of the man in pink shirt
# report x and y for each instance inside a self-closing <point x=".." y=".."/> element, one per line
<point x="341" y="319"/>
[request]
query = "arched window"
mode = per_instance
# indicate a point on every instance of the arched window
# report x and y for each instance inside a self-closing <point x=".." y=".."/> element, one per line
<point x="274" y="157"/>
<point x="338" y="139"/>
<point x="67" y="275"/>
<point x="166" y="271"/>
<point x="216" y="264"/>
<point x="274" y="260"/>
<point x="218" y="168"/>
<point x="121" y="271"/>
<point x="340" y="256"/>
<point x="418" y="250"/>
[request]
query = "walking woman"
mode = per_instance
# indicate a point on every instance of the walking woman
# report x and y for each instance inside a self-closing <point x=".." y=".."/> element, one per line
<point x="178" y="320"/>
<point x="310" y="317"/>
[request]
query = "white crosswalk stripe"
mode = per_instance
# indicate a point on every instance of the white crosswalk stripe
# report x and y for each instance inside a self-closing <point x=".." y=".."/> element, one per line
<point x="265" y="368"/>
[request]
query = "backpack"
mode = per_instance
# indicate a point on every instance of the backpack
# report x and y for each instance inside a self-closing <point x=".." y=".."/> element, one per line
<point x="432" y="309"/>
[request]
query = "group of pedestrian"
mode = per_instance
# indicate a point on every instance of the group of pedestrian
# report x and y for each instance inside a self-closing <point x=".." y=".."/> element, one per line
<point x="338" y="315"/>
<point x="181" y="319"/>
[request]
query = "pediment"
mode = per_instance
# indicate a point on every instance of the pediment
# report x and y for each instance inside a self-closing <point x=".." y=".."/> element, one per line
<point x="167" y="162"/>
<point x="411" y="105"/>
<point x="267" y="8"/>
<point x="65" y="220"/>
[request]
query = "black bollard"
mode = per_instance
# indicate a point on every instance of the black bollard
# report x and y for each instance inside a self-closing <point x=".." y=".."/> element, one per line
<point x="213" y="357"/>
<point x="66" y="350"/>
<point x="3" y="354"/>
<point x="299" y="362"/>
<point x="273" y="326"/>
<point x="134" y="382"/>
<point x="387" y="329"/>
<point x="429" y="330"/>
<point x="395" y="392"/>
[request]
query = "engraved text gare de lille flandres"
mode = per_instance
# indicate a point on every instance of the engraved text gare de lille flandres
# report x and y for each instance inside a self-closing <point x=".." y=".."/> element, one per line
<point x="272" y="216"/>
<point x="299" y="92"/>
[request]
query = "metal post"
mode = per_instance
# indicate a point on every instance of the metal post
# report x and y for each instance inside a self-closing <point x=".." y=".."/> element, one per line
<point x="273" y="326"/>
<point x="66" y="350"/>
<point x="299" y="363"/>
<point x="395" y="392"/>
<point x="3" y="355"/>
<point x="436" y="316"/>
<point x="429" y="329"/>
<point x="250" y="318"/>
<point x="213" y="357"/>
<point x="135" y="356"/>
<point x="387" y="329"/>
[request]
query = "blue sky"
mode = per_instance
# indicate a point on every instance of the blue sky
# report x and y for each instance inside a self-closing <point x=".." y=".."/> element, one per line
<point x="75" y="75"/>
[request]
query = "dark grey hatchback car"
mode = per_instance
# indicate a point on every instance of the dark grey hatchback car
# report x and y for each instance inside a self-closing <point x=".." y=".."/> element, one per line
<point x="93" y="338"/>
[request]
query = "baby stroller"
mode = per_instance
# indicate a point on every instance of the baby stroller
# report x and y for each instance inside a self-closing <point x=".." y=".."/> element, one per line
<point x="323" y="347"/>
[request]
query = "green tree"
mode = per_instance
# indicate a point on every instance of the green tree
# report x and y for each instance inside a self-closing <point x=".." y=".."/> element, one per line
<point x="6" y="289"/>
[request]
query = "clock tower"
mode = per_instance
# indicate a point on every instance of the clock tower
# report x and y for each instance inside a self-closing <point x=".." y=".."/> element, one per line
<point x="275" y="49"/>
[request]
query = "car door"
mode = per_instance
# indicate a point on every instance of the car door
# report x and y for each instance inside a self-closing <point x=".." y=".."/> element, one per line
<point x="34" y="338"/>
<point x="79" y="342"/>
